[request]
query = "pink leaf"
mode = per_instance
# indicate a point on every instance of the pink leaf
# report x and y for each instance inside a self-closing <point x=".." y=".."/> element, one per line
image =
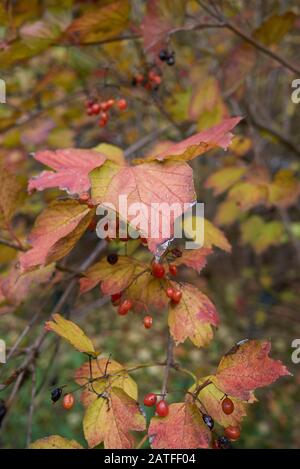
<point x="72" y="167"/>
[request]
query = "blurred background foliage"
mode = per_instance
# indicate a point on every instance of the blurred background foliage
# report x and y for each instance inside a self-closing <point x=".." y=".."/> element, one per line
<point x="50" y="72"/>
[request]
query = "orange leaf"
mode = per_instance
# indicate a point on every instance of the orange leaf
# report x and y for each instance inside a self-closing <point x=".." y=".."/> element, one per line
<point x="111" y="420"/>
<point x="183" y="428"/>
<point x="193" y="317"/>
<point x="247" y="366"/>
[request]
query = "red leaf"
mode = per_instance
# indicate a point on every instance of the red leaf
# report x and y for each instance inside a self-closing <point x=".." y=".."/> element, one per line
<point x="55" y="232"/>
<point x="196" y="145"/>
<point x="154" y="29"/>
<point x="194" y="258"/>
<point x="246" y="367"/>
<point x="72" y="168"/>
<point x="183" y="428"/>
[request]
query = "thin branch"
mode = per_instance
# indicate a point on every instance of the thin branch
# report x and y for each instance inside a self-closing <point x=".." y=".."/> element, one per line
<point x="250" y="40"/>
<point x="31" y="407"/>
<point x="169" y="364"/>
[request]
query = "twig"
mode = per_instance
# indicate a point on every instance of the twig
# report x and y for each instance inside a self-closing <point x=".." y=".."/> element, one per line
<point x="169" y="363"/>
<point x="232" y="27"/>
<point x="31" y="408"/>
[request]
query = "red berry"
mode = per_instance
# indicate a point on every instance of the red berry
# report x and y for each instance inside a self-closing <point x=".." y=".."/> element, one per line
<point x="139" y="79"/>
<point x="89" y="111"/>
<point x="173" y="269"/>
<point x="176" y="296"/>
<point x="158" y="270"/>
<point x="122" y="104"/>
<point x="150" y="399"/>
<point x="148" y="320"/>
<point x="103" y="119"/>
<point x="90" y="204"/>
<point x="68" y="401"/>
<point x="96" y="108"/>
<point x="162" y="408"/>
<point x="125" y="307"/>
<point x="233" y="433"/>
<point x="157" y="80"/>
<point x="110" y="103"/>
<point x="227" y="406"/>
<point x="170" y="292"/>
<point x="115" y="298"/>
<point x="144" y="241"/>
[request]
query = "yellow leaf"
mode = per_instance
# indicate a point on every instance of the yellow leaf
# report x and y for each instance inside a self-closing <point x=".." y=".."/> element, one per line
<point x="223" y="179"/>
<point x="55" y="442"/>
<point x="112" y="152"/>
<point x="260" y="234"/>
<point x="72" y="333"/>
<point x="273" y="30"/>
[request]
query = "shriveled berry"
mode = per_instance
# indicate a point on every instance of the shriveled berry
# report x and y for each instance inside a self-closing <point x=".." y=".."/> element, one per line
<point x="208" y="420"/>
<point x="150" y="399"/>
<point x="56" y="394"/>
<point x="112" y="258"/>
<point x="84" y="197"/>
<point x="162" y="408"/>
<point x="176" y="252"/>
<point x="163" y="55"/>
<point x="223" y="442"/>
<point x="227" y="406"/>
<point x="171" y="60"/>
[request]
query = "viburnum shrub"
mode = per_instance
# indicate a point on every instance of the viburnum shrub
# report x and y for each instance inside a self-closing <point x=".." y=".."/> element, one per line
<point x="213" y="406"/>
<point x="136" y="98"/>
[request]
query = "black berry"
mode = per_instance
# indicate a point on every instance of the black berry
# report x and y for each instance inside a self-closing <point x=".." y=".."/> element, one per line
<point x="223" y="442"/>
<point x="112" y="258"/>
<point x="163" y="55"/>
<point x="171" y="60"/>
<point x="208" y="420"/>
<point x="56" y="394"/>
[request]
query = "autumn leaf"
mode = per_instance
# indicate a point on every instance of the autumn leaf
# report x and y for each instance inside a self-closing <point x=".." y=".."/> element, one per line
<point x="193" y="317"/>
<point x="223" y="179"/>
<point x="273" y="30"/>
<point x="260" y="234"/>
<point x="247" y="367"/>
<point x="212" y="236"/>
<point x="148" y="292"/>
<point x="154" y="28"/>
<point x="194" y="258"/>
<point x="210" y="401"/>
<point x="146" y="186"/>
<point x="55" y="232"/>
<point x="183" y="428"/>
<point x="113" y="278"/>
<point x="284" y="190"/>
<point x="72" y="333"/>
<point x="11" y="193"/>
<point x="55" y="442"/>
<point x="110" y="420"/>
<point x="17" y="287"/>
<point x="228" y="212"/>
<point x="116" y="377"/>
<point x="238" y="65"/>
<point x="101" y="23"/>
<point x="248" y="194"/>
<point x="72" y="167"/>
<point x="111" y="152"/>
<point x="196" y="145"/>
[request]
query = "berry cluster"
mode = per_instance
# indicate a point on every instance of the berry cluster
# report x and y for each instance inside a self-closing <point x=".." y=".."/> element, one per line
<point x="168" y="57"/>
<point x="95" y="108"/>
<point x="162" y="407"/>
<point x="150" y="82"/>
